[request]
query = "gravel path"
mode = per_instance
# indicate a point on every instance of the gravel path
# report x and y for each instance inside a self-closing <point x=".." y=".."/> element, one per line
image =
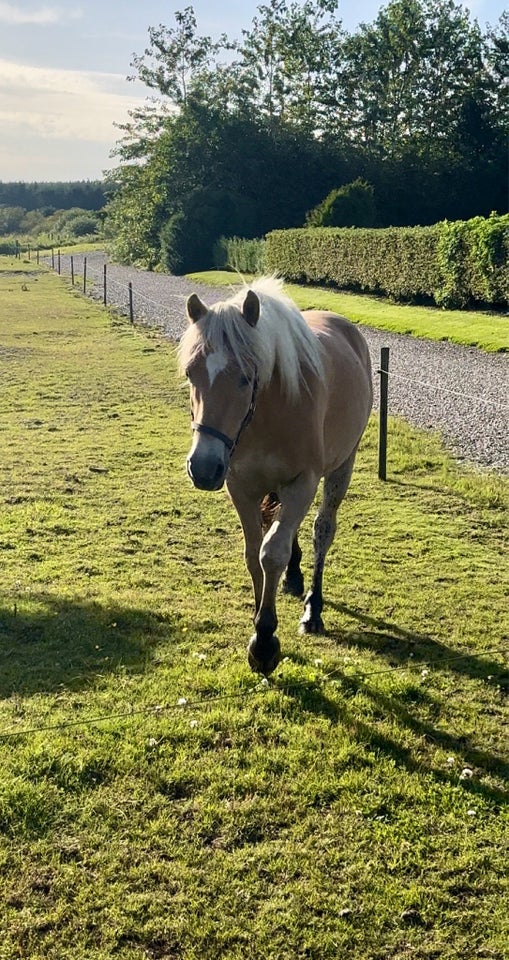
<point x="461" y="391"/>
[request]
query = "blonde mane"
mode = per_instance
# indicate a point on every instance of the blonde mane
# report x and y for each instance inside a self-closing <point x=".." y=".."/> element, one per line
<point x="281" y="340"/>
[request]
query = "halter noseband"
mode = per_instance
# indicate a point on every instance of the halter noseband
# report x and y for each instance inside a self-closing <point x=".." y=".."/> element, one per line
<point x="228" y="442"/>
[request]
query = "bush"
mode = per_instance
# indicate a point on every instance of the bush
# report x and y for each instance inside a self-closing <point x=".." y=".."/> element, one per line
<point x="244" y="256"/>
<point x="352" y="205"/>
<point x="473" y="258"/>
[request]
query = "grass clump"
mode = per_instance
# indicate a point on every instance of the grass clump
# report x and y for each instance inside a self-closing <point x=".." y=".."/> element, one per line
<point x="354" y="806"/>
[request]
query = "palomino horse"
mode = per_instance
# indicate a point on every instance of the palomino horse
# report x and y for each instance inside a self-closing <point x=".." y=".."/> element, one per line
<point x="279" y="399"/>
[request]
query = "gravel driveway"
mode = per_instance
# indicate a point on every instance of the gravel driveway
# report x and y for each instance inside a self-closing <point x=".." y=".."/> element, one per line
<point x="461" y="391"/>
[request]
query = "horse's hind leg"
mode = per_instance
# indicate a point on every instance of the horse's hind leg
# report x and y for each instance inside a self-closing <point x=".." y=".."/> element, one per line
<point x="334" y="489"/>
<point x="293" y="582"/>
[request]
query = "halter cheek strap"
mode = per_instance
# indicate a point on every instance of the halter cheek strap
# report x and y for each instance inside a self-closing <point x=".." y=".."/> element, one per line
<point x="228" y="442"/>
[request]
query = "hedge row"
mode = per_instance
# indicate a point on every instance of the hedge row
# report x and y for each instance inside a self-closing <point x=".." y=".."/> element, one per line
<point x="450" y="263"/>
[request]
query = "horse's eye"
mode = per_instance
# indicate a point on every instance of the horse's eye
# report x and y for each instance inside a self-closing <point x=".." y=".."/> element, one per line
<point x="244" y="382"/>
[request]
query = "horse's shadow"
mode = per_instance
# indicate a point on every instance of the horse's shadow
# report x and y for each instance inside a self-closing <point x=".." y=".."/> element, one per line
<point x="56" y="643"/>
<point x="400" y="646"/>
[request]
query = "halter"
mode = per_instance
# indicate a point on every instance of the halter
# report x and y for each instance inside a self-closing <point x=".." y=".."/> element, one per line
<point x="228" y="442"/>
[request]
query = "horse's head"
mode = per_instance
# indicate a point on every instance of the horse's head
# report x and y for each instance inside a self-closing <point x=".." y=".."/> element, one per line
<point x="223" y="388"/>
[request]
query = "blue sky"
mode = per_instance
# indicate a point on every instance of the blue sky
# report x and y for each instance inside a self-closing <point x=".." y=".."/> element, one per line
<point x="63" y="69"/>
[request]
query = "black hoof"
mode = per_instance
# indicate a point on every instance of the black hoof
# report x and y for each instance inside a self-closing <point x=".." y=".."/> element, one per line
<point x="263" y="657"/>
<point x="311" y="624"/>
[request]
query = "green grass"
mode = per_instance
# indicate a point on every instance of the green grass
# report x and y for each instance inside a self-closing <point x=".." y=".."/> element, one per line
<point x="489" y="331"/>
<point x="324" y="815"/>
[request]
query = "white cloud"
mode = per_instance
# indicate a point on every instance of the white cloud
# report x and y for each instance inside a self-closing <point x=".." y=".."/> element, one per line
<point x="64" y="104"/>
<point x="15" y="16"/>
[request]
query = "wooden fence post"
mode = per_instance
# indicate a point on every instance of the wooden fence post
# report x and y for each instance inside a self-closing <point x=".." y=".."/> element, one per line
<point x="84" y="275"/>
<point x="72" y="270"/>
<point x="131" y="310"/>
<point x="52" y="259"/>
<point x="384" y="396"/>
<point x="104" y="285"/>
<point x="58" y="261"/>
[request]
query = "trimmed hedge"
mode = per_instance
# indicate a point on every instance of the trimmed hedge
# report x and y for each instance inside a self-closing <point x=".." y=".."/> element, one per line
<point x="244" y="256"/>
<point x="450" y="263"/>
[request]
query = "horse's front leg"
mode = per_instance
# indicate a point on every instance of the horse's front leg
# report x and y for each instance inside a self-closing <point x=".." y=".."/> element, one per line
<point x="264" y="652"/>
<point x="248" y="510"/>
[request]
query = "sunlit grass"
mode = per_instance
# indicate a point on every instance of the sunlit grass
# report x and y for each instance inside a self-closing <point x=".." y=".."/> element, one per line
<point x="326" y="814"/>
<point x="489" y="331"/>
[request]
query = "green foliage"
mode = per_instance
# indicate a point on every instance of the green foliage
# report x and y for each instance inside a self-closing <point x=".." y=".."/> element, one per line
<point x="352" y="205"/>
<point x="298" y="106"/>
<point x="451" y="264"/>
<point x="473" y="258"/>
<point x="48" y="197"/>
<point x="244" y="256"/>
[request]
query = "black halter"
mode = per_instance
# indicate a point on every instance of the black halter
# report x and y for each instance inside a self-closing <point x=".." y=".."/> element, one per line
<point x="228" y="442"/>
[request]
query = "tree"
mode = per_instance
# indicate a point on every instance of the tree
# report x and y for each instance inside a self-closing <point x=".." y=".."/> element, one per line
<point x="350" y="206"/>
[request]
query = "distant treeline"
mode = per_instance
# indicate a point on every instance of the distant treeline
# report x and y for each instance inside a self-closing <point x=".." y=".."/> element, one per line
<point x="48" y="197"/>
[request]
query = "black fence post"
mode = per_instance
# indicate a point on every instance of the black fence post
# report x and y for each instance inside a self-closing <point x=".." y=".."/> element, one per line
<point x="17" y="250"/>
<point x="131" y="310"/>
<point x="384" y="397"/>
<point x="72" y="270"/>
<point x="104" y="285"/>
<point x="58" y="261"/>
<point x="29" y="251"/>
<point x="84" y="275"/>
<point x="37" y="255"/>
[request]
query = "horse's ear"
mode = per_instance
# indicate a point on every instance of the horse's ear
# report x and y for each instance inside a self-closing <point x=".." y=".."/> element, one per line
<point x="195" y="309"/>
<point x="251" y="308"/>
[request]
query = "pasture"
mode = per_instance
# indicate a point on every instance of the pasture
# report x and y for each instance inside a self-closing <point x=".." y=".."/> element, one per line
<point x="157" y="799"/>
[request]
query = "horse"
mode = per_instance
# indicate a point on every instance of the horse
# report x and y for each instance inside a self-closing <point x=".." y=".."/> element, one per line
<point x="279" y="399"/>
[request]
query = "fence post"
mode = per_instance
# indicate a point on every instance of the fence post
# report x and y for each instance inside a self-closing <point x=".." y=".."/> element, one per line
<point x="37" y="255"/>
<point x="84" y="275"/>
<point x="72" y="270"/>
<point x="29" y="251"/>
<point x="58" y="260"/>
<point x="104" y="285"/>
<point x="131" y="311"/>
<point x="17" y="250"/>
<point x="384" y="395"/>
<point x="52" y="259"/>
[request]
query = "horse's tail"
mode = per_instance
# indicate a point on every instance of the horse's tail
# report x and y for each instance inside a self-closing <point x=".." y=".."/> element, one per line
<point x="269" y="509"/>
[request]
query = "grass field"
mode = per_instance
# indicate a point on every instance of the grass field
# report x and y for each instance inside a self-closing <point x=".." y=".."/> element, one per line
<point x="355" y="806"/>
<point x="489" y="331"/>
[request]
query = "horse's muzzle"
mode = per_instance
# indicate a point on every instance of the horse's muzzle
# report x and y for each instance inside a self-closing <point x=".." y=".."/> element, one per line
<point x="206" y="475"/>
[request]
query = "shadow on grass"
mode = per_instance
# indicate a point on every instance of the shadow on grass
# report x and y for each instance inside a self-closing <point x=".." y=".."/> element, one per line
<point x="312" y="699"/>
<point x="57" y="642"/>
<point x="401" y="647"/>
<point x="404" y="647"/>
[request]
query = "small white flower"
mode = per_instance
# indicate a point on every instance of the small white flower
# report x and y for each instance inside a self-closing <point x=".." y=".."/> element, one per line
<point x="450" y="761"/>
<point x="157" y="709"/>
<point x="424" y="673"/>
<point x="318" y="662"/>
<point x="200" y="656"/>
<point x="264" y="682"/>
<point x="285" y="660"/>
<point x="471" y="813"/>
<point x="182" y="701"/>
<point x="467" y="773"/>
<point x="193" y="724"/>
<point x="152" y="742"/>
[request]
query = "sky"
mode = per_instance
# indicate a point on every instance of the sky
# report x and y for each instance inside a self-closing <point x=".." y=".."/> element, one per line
<point x="64" y="66"/>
